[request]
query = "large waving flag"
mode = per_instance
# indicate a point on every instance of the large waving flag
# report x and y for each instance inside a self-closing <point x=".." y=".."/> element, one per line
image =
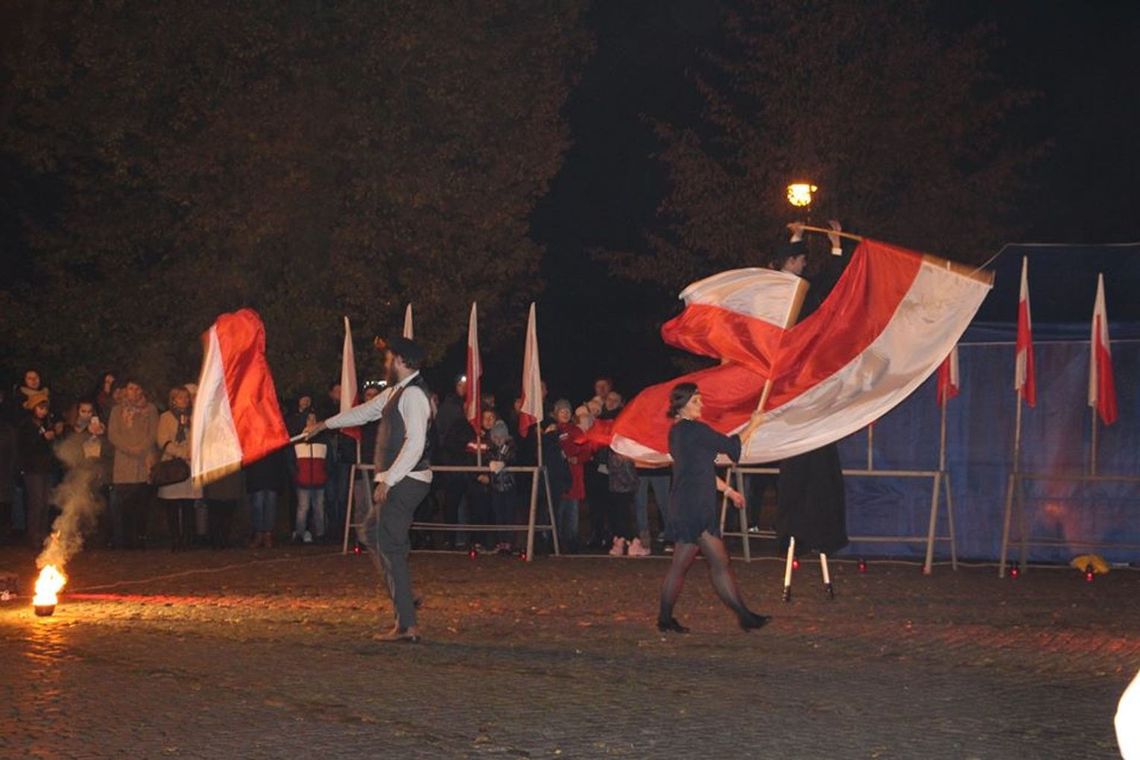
<point x="947" y="378"/>
<point x="236" y="418"/>
<point x="471" y="405"/>
<point x="409" y="330"/>
<point x="1025" y="372"/>
<point x="530" y="412"/>
<point x="1102" y="387"/>
<point x="891" y="319"/>
<point x="348" y="386"/>
<point x="739" y="315"/>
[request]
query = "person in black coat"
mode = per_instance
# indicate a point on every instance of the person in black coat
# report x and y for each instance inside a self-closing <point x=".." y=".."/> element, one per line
<point x="693" y="522"/>
<point x="810" y="497"/>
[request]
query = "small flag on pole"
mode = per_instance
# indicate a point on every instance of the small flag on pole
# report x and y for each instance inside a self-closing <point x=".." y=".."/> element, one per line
<point x="1025" y="375"/>
<point x="409" y="332"/>
<point x="348" y="397"/>
<point x="236" y="418"/>
<point x="530" y="412"/>
<point x="1102" y="387"/>
<point x="948" y="377"/>
<point x="471" y="405"/>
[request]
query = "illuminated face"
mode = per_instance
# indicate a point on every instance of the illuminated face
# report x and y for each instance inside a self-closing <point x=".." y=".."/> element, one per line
<point x="487" y="420"/>
<point x="83" y="414"/>
<point x="795" y="264"/>
<point x="594" y="407"/>
<point x="461" y="386"/>
<point x="692" y="409"/>
<point x="304" y="403"/>
<point x="133" y="393"/>
<point x="613" y="400"/>
<point x="108" y="382"/>
<point x="563" y="414"/>
<point x="602" y="387"/>
<point x="180" y="399"/>
<point x="32" y="380"/>
<point x="41" y="410"/>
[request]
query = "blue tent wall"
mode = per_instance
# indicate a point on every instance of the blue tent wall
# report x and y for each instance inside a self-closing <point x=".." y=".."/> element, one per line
<point x="980" y="422"/>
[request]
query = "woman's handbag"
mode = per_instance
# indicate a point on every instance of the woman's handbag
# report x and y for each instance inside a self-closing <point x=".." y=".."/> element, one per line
<point x="169" y="471"/>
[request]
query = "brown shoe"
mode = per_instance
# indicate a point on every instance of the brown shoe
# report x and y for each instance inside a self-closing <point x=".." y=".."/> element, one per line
<point x="399" y="636"/>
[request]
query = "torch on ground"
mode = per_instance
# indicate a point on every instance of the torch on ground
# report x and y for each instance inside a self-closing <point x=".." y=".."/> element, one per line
<point x="48" y="585"/>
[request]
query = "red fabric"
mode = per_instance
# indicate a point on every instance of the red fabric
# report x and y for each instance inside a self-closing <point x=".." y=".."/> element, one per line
<point x="1025" y="344"/>
<point x="1105" y="383"/>
<point x="312" y="465"/>
<point x="858" y="309"/>
<point x="723" y="334"/>
<point x="947" y="387"/>
<point x="574" y="446"/>
<point x="249" y="385"/>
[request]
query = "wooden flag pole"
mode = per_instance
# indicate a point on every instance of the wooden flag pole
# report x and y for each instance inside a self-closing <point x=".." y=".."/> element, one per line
<point x="793" y="314"/>
<point x="829" y="231"/>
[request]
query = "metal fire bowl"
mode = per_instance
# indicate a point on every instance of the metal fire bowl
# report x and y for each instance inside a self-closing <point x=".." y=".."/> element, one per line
<point x="44" y="610"/>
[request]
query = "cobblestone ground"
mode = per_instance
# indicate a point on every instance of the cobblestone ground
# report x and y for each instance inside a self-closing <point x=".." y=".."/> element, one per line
<point x="266" y="654"/>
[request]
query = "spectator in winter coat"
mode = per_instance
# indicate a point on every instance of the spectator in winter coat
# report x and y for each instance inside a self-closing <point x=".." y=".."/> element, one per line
<point x="173" y="441"/>
<point x="310" y="473"/>
<point x="132" y="430"/>
<point x="35" y="439"/>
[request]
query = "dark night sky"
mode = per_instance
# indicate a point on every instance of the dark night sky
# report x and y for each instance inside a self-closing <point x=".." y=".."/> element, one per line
<point x="1077" y="55"/>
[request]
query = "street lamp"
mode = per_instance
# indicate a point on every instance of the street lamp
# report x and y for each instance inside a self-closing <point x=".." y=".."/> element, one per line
<point x="799" y="194"/>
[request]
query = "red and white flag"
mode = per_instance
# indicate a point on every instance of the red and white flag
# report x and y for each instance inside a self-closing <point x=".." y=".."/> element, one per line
<point x="236" y="417"/>
<point x="530" y="411"/>
<point x="1102" y="387"/>
<point x="1025" y="374"/>
<point x="348" y="392"/>
<point x="948" y="378"/>
<point x="739" y="315"/>
<point x="892" y="317"/>
<point x="409" y="331"/>
<point x="471" y="405"/>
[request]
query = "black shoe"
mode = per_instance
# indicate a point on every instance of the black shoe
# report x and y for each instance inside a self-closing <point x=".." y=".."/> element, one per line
<point x="750" y="621"/>
<point x="665" y="626"/>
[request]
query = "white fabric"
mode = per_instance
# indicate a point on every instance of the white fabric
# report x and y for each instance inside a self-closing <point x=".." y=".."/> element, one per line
<point x="763" y="294"/>
<point x="347" y="371"/>
<point x="1128" y="721"/>
<point x="214" y="440"/>
<point x="1095" y="340"/>
<point x="532" y="375"/>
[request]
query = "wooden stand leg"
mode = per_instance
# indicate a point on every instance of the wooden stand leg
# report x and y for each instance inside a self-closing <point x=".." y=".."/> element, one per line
<point x="827" y="587"/>
<point x="788" y="569"/>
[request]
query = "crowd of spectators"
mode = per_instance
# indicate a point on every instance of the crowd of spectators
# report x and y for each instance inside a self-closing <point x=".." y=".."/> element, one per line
<point x="115" y="435"/>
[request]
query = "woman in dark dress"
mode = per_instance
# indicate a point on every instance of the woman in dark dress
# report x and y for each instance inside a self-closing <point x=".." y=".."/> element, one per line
<point x="693" y="521"/>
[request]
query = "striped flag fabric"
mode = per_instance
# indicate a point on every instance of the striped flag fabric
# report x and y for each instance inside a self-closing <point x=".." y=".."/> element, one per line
<point x="892" y="317"/>
<point x="739" y="315"/>
<point x="1102" y="386"/>
<point x="237" y="418"/>
<point x="409" y="331"/>
<point x="530" y="412"/>
<point x="947" y="378"/>
<point x="471" y="404"/>
<point x="1025" y="373"/>
<point x="348" y="393"/>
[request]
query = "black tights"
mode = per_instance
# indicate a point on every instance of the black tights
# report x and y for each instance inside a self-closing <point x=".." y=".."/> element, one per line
<point x="723" y="579"/>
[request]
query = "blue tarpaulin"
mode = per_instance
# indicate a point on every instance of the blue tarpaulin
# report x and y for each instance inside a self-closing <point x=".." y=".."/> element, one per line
<point x="1056" y="434"/>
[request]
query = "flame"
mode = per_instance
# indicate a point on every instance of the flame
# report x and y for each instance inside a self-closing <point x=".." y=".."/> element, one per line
<point x="48" y="585"/>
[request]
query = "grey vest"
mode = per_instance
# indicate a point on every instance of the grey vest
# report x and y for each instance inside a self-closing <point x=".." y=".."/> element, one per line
<point x="392" y="431"/>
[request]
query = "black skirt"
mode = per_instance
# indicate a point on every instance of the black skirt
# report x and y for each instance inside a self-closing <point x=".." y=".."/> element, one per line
<point x="811" y="504"/>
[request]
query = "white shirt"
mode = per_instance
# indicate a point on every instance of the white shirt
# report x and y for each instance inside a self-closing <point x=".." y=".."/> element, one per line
<point x="415" y="408"/>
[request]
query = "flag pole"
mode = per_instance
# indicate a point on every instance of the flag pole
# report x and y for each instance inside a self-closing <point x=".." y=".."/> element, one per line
<point x="793" y="314"/>
<point x="1092" y="453"/>
<point x="829" y="231"/>
<point x="1014" y="477"/>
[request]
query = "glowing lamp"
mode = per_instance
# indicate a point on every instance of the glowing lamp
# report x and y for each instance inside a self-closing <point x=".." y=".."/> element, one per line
<point x="1014" y="571"/>
<point x="472" y="553"/>
<point x="862" y="565"/>
<point x="1089" y="574"/>
<point x="796" y="563"/>
<point x="799" y="194"/>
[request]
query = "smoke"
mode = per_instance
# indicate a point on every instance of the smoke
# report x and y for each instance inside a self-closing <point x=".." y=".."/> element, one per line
<point x="78" y="500"/>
